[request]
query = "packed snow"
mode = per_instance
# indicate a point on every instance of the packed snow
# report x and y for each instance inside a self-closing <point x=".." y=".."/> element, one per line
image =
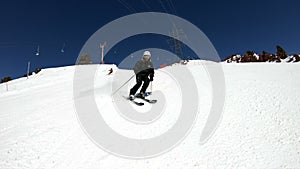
<point x="260" y="126"/>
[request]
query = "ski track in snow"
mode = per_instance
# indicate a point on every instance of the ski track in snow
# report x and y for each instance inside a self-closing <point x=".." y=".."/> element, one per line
<point x="260" y="127"/>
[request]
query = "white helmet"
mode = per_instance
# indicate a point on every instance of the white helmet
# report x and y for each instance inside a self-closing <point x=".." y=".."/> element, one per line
<point x="146" y="55"/>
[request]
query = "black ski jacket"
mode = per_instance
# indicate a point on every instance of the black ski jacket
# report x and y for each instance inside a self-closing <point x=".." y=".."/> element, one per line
<point x="144" y="68"/>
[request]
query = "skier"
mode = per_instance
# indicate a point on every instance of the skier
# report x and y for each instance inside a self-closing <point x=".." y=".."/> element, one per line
<point x="110" y="71"/>
<point x="144" y="72"/>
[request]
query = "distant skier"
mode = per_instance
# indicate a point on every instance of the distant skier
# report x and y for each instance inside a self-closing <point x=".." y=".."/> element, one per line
<point x="110" y="71"/>
<point x="144" y="72"/>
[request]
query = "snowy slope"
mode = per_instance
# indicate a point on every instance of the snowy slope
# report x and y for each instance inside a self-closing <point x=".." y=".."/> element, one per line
<point x="260" y="127"/>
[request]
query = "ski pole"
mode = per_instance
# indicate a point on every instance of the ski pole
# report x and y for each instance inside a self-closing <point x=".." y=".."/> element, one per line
<point x="122" y="85"/>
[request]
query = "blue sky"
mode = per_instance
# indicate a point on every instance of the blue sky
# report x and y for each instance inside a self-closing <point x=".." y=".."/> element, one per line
<point x="233" y="26"/>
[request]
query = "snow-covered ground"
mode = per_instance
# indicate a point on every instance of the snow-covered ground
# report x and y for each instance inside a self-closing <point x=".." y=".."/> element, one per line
<point x="260" y="127"/>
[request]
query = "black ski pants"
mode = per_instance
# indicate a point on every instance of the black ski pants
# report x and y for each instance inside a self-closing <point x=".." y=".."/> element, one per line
<point x="140" y="78"/>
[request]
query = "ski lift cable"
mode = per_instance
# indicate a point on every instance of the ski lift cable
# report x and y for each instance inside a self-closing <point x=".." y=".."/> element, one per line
<point x="147" y="6"/>
<point x="163" y="6"/>
<point x="127" y="6"/>
<point x="176" y="31"/>
<point x="171" y="9"/>
<point x="131" y="9"/>
<point x="166" y="11"/>
<point x="172" y="6"/>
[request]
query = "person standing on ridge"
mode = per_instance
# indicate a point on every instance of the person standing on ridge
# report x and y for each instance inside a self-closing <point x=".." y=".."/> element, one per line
<point x="144" y="72"/>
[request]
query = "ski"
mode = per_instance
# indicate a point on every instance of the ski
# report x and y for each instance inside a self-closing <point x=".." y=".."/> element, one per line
<point x="149" y="100"/>
<point x="135" y="102"/>
<point x="145" y="99"/>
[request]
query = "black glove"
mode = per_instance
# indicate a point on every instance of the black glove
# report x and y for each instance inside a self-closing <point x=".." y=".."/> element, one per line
<point x="151" y="77"/>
